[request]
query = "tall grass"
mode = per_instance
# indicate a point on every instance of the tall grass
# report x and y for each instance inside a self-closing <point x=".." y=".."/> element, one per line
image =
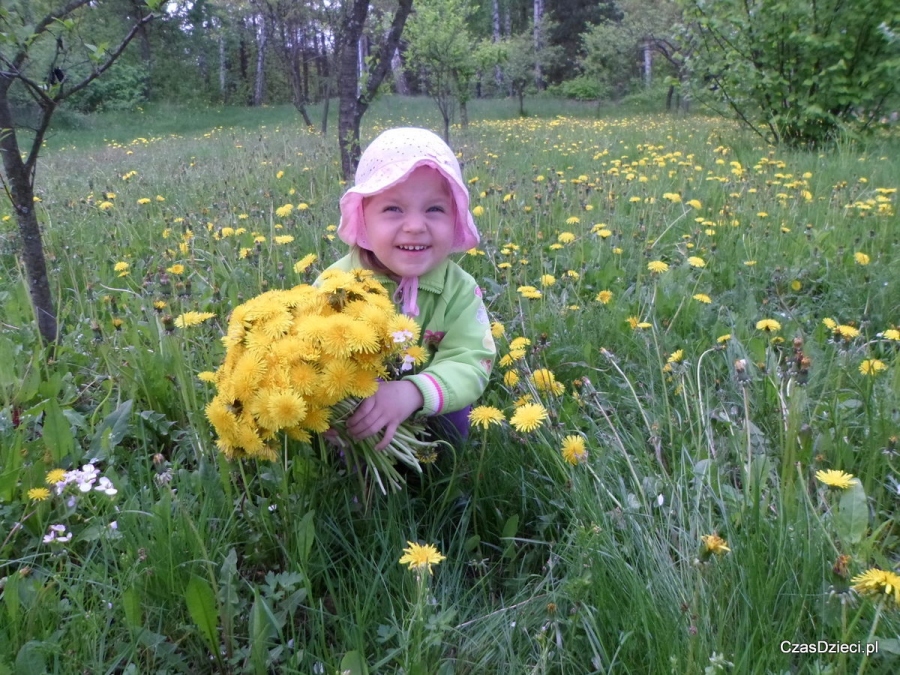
<point x="197" y="563"/>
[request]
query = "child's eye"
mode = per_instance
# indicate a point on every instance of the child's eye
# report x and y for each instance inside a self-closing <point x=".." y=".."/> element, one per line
<point x="439" y="209"/>
<point x="392" y="208"/>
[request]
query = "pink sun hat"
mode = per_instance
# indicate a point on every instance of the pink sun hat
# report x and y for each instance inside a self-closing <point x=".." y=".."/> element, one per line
<point x="389" y="160"/>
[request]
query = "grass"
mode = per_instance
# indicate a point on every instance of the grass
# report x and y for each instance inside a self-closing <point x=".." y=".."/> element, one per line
<point x="599" y="567"/>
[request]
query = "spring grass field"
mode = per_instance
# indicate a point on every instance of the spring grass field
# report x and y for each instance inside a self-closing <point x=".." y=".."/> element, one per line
<point x="710" y="323"/>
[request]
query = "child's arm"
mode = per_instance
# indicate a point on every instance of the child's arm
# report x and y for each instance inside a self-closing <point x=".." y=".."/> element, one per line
<point x="458" y="373"/>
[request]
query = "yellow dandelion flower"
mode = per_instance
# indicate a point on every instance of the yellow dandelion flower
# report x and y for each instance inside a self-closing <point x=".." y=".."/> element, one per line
<point x="544" y="380"/>
<point x="830" y="323"/>
<point x="285" y="409"/>
<point x="566" y="238"/>
<point x="846" y="332"/>
<point x="483" y="416"/>
<point x="836" y="479"/>
<point x="891" y="334"/>
<point x="105" y="206"/>
<point x="573" y="220"/>
<point x="713" y="544"/>
<point x="702" y="297"/>
<point x="695" y="204"/>
<point x="192" y="318"/>
<point x="673" y="197"/>
<point x="418" y="354"/>
<point x="872" y="367"/>
<point x="143" y="200"/>
<point x="175" y="269"/>
<point x="604" y="297"/>
<point x="722" y="339"/>
<point x="573" y="450"/>
<point x="657" y="266"/>
<point x="284" y="211"/>
<point x="497" y="330"/>
<point x="510" y="378"/>
<point x="676" y="356"/>
<point x="696" y="261"/>
<point x="861" y="258"/>
<point x="478" y="211"/>
<point x="122" y="268"/>
<point x="206" y="376"/>
<point x="547" y="280"/>
<point x="877" y="583"/>
<point x="317" y="420"/>
<point x="55" y="476"/>
<point x="419" y="558"/>
<point x="284" y="239"/>
<point x="39" y="494"/>
<point x="768" y="325"/>
<point x="528" y="417"/>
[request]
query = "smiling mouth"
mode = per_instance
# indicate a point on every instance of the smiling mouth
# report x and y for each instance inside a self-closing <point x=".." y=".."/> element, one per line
<point x="412" y="248"/>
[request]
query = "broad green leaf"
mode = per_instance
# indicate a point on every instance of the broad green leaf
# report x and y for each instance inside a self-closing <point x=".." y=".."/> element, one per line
<point x="306" y="536"/>
<point x="263" y="627"/>
<point x="30" y="659"/>
<point x="57" y="432"/>
<point x="852" y="518"/>
<point x="112" y="429"/>
<point x="11" y="599"/>
<point x="131" y="604"/>
<point x="201" y="604"/>
<point x="353" y="663"/>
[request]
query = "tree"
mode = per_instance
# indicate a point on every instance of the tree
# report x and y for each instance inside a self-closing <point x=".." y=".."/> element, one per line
<point x="523" y="63"/>
<point x="797" y="72"/>
<point x="356" y="93"/>
<point x="442" y="51"/>
<point x="35" y="59"/>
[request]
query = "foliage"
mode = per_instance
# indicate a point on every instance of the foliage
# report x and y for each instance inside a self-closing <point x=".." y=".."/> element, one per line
<point x="712" y="320"/>
<point x="800" y="73"/>
<point x="123" y="88"/>
<point x="522" y="60"/>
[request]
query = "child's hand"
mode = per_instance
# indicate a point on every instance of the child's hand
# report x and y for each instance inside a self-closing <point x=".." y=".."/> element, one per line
<point x="386" y="409"/>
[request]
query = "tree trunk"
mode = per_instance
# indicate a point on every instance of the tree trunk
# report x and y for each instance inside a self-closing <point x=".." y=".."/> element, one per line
<point x="354" y="99"/>
<point x="648" y="63"/>
<point x="21" y="193"/>
<point x="399" y="74"/>
<point x="262" y="40"/>
<point x="222" y="66"/>
<point x="495" y="37"/>
<point x="538" y="43"/>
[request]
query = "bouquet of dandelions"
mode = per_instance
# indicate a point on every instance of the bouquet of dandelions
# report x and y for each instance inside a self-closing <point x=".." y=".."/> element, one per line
<point x="299" y="361"/>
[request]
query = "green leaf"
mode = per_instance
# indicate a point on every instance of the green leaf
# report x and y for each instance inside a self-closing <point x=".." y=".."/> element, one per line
<point x="30" y="660"/>
<point x="112" y="429"/>
<point x="353" y="663"/>
<point x="263" y="627"/>
<point x="131" y="604"/>
<point x="852" y="518"/>
<point x="306" y="536"/>
<point x="201" y="604"/>
<point x="57" y="432"/>
<point x="11" y="599"/>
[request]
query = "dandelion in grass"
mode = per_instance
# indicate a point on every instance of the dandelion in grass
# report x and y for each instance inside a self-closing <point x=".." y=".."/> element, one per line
<point x="303" y="264"/>
<point x="713" y="544"/>
<point x="846" y="332"/>
<point x="565" y="238"/>
<point x="55" y="476"/>
<point x="574" y="450"/>
<point x="696" y="261"/>
<point x="484" y="416"/>
<point x="676" y="356"/>
<point x="478" y="211"/>
<point x="519" y="343"/>
<point x="722" y="339"/>
<point x="142" y="201"/>
<point x="284" y="211"/>
<point x="702" y="297"/>
<point x="175" y="269"/>
<point x="302" y="206"/>
<point x="192" y="318"/>
<point x="603" y="297"/>
<point x="122" y="268"/>
<point x="695" y="204"/>
<point x="497" y="330"/>
<point x="768" y="325"/>
<point x="105" y="206"/>
<point x="528" y="417"/>
<point x="283" y="239"/>
<point x="418" y="557"/>
<point x="836" y="479"/>
<point x="573" y="220"/>
<point x="510" y="378"/>
<point x="829" y="323"/>
<point x="544" y="380"/>
<point x="547" y="280"/>
<point x="657" y="266"/>
<point x="861" y="258"/>
<point x="875" y="583"/>
<point x="872" y="367"/>
<point x="891" y="334"/>
<point x="38" y="494"/>
<point x="673" y="197"/>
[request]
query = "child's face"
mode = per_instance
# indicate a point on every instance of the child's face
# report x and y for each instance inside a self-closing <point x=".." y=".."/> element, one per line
<point x="411" y="225"/>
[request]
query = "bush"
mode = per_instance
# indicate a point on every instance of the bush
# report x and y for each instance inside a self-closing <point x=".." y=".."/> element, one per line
<point x="583" y="88"/>
<point x="122" y="87"/>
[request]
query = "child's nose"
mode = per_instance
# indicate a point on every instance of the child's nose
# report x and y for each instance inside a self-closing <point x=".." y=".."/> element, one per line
<point x="414" y="222"/>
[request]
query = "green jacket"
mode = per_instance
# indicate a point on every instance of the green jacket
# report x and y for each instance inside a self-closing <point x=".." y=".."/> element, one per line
<point x="455" y="329"/>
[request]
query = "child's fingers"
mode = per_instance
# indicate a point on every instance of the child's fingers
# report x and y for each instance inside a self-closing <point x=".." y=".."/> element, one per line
<point x="389" y="431"/>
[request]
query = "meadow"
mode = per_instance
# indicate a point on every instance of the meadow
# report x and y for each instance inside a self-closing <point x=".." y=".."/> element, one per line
<point x="710" y="324"/>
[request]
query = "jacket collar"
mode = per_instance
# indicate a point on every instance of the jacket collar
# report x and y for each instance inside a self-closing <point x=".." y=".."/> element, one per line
<point x="433" y="281"/>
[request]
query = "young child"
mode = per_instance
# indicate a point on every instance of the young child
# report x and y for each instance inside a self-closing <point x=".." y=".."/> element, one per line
<point x="406" y="214"/>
